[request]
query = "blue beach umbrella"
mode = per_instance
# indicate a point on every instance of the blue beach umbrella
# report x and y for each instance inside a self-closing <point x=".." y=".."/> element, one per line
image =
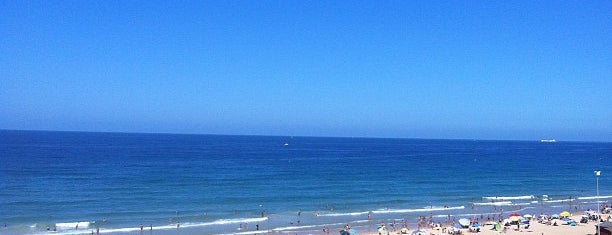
<point x="420" y="232"/>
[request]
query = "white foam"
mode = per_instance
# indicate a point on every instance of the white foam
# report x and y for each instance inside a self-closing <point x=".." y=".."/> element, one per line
<point x="72" y="225"/>
<point x="558" y="201"/>
<point x="360" y="221"/>
<point x="295" y="228"/>
<point x="594" y="197"/>
<point x="288" y="228"/>
<point x="522" y="204"/>
<point x="388" y="211"/>
<point x="504" y="203"/>
<point x="127" y="230"/>
<point x="228" y="221"/>
<point x="593" y="202"/>
<point x="498" y="198"/>
<point x="344" y="214"/>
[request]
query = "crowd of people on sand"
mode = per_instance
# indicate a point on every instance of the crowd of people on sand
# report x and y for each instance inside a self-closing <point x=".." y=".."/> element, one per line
<point x="498" y="222"/>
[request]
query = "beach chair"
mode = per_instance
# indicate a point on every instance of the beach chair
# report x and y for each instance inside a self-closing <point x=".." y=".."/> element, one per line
<point x="497" y="227"/>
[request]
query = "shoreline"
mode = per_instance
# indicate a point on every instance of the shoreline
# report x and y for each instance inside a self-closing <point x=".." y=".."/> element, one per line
<point x="366" y="226"/>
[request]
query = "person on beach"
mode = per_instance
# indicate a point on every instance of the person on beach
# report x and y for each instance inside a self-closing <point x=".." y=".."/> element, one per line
<point x="518" y="226"/>
<point x="383" y="230"/>
<point x="345" y="230"/>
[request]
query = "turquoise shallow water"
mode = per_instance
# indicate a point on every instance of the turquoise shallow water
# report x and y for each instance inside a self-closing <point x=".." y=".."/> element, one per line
<point x="211" y="184"/>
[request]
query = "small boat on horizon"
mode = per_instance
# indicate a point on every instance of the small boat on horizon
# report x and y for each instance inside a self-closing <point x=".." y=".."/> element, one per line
<point x="548" y="140"/>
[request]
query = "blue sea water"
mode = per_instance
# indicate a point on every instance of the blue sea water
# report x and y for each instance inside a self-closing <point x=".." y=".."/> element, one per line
<point x="213" y="184"/>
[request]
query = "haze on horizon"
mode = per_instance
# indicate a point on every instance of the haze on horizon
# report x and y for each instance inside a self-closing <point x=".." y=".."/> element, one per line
<point x="522" y="70"/>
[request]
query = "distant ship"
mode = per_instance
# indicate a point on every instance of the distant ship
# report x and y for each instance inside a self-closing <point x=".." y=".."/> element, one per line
<point x="548" y="140"/>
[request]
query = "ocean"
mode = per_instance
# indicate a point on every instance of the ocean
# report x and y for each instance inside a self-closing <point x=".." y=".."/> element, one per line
<point x="115" y="183"/>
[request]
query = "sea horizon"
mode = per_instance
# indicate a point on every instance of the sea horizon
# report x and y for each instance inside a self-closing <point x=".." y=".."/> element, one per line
<point x="309" y="136"/>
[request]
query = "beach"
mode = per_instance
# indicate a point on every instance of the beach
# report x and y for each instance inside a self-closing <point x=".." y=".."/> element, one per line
<point x="535" y="228"/>
<point x="207" y="184"/>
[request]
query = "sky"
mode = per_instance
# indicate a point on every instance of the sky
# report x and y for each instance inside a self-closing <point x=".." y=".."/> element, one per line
<point x="520" y="70"/>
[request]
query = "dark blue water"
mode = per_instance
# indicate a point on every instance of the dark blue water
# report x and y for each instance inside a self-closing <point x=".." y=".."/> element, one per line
<point x="210" y="184"/>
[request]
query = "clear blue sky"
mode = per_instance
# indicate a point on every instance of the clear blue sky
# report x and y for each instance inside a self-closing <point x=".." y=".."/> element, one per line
<point x="416" y="69"/>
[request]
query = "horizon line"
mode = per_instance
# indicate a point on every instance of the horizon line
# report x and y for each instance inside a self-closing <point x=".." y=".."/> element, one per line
<point x="301" y="136"/>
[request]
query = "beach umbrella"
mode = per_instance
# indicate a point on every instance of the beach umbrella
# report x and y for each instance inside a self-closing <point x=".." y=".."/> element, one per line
<point x="514" y="218"/>
<point x="555" y="216"/>
<point x="565" y="214"/>
<point x="528" y="216"/>
<point x="420" y="232"/>
<point x="464" y="222"/>
<point x="506" y="221"/>
<point x="514" y="214"/>
<point x="525" y="221"/>
<point x="382" y="229"/>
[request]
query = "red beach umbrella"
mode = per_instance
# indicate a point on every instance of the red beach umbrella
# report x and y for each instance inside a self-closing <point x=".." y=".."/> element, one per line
<point x="514" y="214"/>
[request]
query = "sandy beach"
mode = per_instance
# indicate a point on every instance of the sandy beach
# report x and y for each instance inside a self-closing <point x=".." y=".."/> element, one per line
<point x="534" y="229"/>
